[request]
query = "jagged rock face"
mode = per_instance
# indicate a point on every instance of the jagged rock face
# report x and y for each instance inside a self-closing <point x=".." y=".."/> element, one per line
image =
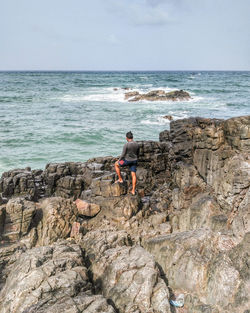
<point x="37" y="223"/>
<point x="212" y="160"/>
<point x="71" y="179"/>
<point x="58" y="215"/>
<point x="21" y="182"/>
<point x="51" y="279"/>
<point x="189" y="222"/>
<point x="126" y="275"/>
<point x="219" y="150"/>
<point x="16" y="219"/>
<point x="203" y="264"/>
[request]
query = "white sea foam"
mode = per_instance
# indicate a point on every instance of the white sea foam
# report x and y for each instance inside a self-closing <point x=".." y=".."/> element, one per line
<point x="195" y="99"/>
<point x="160" y="120"/>
<point x="103" y="95"/>
<point x="109" y="94"/>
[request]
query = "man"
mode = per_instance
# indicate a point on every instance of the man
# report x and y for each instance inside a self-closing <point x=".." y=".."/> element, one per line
<point x="129" y="158"/>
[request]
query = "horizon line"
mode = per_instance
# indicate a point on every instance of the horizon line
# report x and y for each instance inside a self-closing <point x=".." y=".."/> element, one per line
<point x="37" y="70"/>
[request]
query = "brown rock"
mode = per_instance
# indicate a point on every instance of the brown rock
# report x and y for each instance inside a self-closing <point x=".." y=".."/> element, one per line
<point x="87" y="209"/>
<point x="168" y="117"/>
<point x="127" y="275"/>
<point x="16" y="218"/>
<point x="75" y="230"/>
<point x="131" y="94"/>
<point x="158" y="95"/>
<point x="57" y="217"/>
<point x="51" y="279"/>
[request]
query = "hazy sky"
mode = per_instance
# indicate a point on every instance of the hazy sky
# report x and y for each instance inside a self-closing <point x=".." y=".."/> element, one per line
<point x="124" y="35"/>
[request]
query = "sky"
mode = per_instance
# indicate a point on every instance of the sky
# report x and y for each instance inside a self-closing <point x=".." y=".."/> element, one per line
<point x="124" y="35"/>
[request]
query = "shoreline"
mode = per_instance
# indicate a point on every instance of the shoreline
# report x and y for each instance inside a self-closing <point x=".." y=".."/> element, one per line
<point x="188" y="221"/>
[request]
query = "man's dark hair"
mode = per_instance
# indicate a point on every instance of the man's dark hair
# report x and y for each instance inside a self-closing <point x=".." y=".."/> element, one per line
<point x="129" y="135"/>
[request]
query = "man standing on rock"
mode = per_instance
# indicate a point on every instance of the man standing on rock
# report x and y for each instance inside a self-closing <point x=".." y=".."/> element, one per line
<point x="129" y="158"/>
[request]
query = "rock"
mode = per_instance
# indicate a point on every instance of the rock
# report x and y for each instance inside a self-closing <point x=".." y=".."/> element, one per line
<point x="127" y="275"/>
<point x="158" y="95"/>
<point x="240" y="219"/>
<point x="188" y="224"/>
<point x="51" y="279"/>
<point x="116" y="208"/>
<point x="194" y="267"/>
<point x="16" y="218"/>
<point x="22" y="182"/>
<point x="164" y="136"/>
<point x="2" y="218"/>
<point x="237" y="132"/>
<point x="168" y="117"/>
<point x="131" y="94"/>
<point x="87" y="209"/>
<point x="9" y="254"/>
<point x="104" y="186"/>
<point x="57" y="218"/>
<point x="157" y="219"/>
<point x="75" y="230"/>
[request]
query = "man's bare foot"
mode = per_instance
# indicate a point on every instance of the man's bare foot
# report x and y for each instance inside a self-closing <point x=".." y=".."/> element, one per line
<point x="119" y="181"/>
<point x="132" y="192"/>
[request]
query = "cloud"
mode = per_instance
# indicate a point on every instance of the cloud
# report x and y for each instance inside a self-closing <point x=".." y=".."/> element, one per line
<point x="144" y="12"/>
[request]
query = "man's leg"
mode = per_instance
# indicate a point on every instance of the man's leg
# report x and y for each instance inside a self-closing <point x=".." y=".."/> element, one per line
<point x="118" y="172"/>
<point x="133" y="174"/>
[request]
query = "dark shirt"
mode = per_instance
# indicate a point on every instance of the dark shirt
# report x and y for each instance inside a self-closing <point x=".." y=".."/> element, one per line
<point x="130" y="151"/>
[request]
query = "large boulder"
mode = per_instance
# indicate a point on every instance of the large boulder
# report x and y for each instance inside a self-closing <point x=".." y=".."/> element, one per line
<point x="57" y="216"/>
<point x="127" y="275"/>
<point x="16" y="219"/>
<point x="51" y="279"/>
<point x="87" y="209"/>
<point x="203" y="264"/>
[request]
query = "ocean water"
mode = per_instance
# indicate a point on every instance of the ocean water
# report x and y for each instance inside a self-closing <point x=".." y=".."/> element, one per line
<point x="73" y="116"/>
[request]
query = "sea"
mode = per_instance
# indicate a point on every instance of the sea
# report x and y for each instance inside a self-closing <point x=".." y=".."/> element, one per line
<point x="74" y="116"/>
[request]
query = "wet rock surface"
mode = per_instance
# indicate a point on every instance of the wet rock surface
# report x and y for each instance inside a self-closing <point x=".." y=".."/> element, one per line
<point x="157" y="95"/>
<point x="185" y="231"/>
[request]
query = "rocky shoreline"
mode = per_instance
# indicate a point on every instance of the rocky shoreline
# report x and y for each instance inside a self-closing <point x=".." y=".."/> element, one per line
<point x="186" y="231"/>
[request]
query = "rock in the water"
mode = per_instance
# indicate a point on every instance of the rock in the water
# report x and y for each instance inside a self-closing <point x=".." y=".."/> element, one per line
<point x="168" y="117"/>
<point x="131" y="94"/>
<point x="158" y="95"/>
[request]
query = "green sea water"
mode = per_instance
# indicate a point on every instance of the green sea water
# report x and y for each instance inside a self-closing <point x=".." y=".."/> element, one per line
<point x="73" y="116"/>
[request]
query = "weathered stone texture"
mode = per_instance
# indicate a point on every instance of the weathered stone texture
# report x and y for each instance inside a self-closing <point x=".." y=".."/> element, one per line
<point x="51" y="279"/>
<point x="185" y="231"/>
<point x="127" y="275"/>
